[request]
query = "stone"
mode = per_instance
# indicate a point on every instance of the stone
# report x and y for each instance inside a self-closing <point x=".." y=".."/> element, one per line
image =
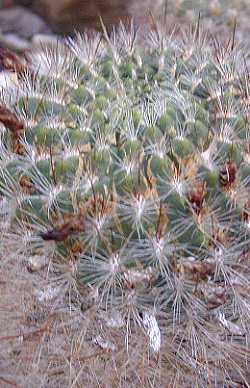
<point x="14" y="42"/>
<point x="7" y="79"/>
<point x="69" y="15"/>
<point x="36" y="263"/>
<point x="20" y="21"/>
<point x="42" y="40"/>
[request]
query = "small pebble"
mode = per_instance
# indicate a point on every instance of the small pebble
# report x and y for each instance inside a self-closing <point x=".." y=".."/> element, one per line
<point x="14" y="42"/>
<point x="7" y="79"/>
<point x="41" y="40"/>
<point x="22" y="22"/>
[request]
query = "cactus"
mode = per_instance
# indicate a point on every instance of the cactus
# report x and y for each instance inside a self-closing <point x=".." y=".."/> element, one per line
<point x="125" y="168"/>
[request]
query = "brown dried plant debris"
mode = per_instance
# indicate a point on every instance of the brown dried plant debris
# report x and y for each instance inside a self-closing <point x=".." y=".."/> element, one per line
<point x="11" y="121"/>
<point x="26" y="185"/>
<point x="228" y="175"/>
<point x="72" y="224"/>
<point x="11" y="62"/>
<point x="197" y="270"/>
<point x="196" y="197"/>
<point x="16" y="128"/>
<point x="246" y="212"/>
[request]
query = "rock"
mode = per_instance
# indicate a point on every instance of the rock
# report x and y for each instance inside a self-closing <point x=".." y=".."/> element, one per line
<point x="7" y="79"/>
<point x="20" y="21"/>
<point x="41" y="40"/>
<point x="69" y="15"/>
<point x="36" y="263"/>
<point x="14" y="42"/>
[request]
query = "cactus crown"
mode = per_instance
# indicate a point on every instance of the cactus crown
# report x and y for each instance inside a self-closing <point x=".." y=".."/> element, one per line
<point x="126" y="164"/>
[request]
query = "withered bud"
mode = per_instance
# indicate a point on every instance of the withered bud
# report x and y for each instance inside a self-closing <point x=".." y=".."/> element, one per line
<point x="228" y="175"/>
<point x="214" y="295"/>
<point x="196" y="269"/>
<point x="10" y="61"/>
<point x="26" y="185"/>
<point x="196" y="196"/>
<point x="246" y="212"/>
<point x="72" y="225"/>
<point x="10" y="120"/>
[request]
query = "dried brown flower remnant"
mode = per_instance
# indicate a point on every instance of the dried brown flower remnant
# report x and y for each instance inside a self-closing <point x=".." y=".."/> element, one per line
<point x="10" y="61"/>
<point x="196" y="197"/>
<point x="246" y="212"/>
<point x="214" y="295"/>
<point x="228" y="175"/>
<point x="162" y="223"/>
<point x="26" y="185"/>
<point x="99" y="205"/>
<point x="15" y="126"/>
<point x="196" y="269"/>
<point x="72" y="224"/>
<point x="76" y="249"/>
<point x="218" y="238"/>
<point x="10" y="120"/>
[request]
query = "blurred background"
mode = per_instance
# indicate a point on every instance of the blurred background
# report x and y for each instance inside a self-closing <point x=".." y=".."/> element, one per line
<point x="24" y="23"/>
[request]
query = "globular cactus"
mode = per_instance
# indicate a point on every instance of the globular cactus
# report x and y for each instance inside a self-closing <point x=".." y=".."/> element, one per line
<point x="125" y="166"/>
